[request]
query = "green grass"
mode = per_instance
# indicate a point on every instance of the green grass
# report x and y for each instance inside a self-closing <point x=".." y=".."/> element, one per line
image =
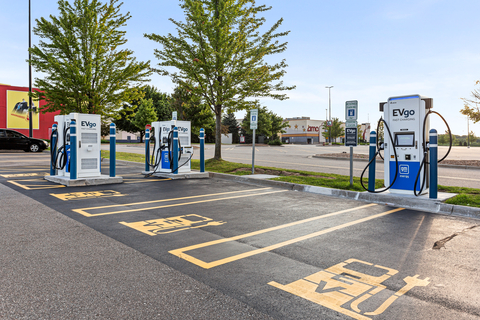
<point x="466" y="196"/>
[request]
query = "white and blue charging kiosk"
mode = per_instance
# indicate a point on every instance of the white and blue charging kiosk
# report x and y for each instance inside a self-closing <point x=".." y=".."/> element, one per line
<point x="405" y="117"/>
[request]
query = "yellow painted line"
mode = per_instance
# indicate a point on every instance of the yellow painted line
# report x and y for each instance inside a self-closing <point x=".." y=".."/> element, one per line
<point x="83" y="210"/>
<point x="20" y="175"/>
<point x="143" y="180"/>
<point x="87" y="195"/>
<point x="207" y="265"/>
<point x="35" y="186"/>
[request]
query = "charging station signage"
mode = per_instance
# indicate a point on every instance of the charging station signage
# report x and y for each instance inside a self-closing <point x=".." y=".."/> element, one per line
<point x="351" y="110"/>
<point x="253" y="119"/>
<point x="351" y="135"/>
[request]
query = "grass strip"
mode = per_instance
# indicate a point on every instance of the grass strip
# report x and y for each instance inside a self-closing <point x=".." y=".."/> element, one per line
<point x="466" y="196"/>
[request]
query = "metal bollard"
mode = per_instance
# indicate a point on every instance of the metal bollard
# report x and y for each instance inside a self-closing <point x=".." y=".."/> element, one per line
<point x="73" y="150"/>
<point x="53" y="150"/>
<point x="371" y="168"/>
<point x="202" y="150"/>
<point x="175" y="151"/>
<point x="433" y="164"/>
<point x="147" y="149"/>
<point x="112" y="150"/>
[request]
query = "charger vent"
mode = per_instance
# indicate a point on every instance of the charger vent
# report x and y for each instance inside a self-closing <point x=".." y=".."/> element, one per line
<point x="88" y="137"/>
<point x="89" y="163"/>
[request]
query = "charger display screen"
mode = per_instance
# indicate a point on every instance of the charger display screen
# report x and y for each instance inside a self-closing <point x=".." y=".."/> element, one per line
<point x="404" y="139"/>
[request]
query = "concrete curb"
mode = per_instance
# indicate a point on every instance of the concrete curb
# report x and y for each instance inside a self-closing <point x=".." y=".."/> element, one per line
<point x="453" y="166"/>
<point x="434" y="206"/>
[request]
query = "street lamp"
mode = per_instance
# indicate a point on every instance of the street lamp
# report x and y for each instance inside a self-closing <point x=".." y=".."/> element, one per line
<point x="30" y="121"/>
<point x="329" y="114"/>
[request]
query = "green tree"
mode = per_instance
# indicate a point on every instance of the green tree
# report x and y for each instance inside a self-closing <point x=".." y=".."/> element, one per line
<point x="334" y="131"/>
<point x="219" y="55"/>
<point x="278" y="126"/>
<point x="473" y="112"/>
<point x="81" y="54"/>
<point x="190" y="107"/>
<point x="231" y="124"/>
<point x="161" y="103"/>
<point x="264" y="127"/>
<point x="359" y="133"/>
<point x="145" y="114"/>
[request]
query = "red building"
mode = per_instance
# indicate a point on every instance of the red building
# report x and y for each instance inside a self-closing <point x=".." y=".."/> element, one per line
<point x="14" y="112"/>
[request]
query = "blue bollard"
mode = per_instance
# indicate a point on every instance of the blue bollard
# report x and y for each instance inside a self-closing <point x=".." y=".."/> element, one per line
<point x="202" y="150"/>
<point x="112" y="150"/>
<point x="371" y="168"/>
<point x="53" y="150"/>
<point x="433" y="164"/>
<point x="73" y="150"/>
<point x="175" y="151"/>
<point x="147" y="149"/>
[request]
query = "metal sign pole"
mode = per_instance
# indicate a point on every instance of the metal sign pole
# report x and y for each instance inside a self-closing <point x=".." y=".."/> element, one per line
<point x="351" y="166"/>
<point x="253" y="153"/>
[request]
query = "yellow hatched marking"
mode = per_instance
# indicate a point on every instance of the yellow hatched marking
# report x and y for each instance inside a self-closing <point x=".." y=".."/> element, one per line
<point x="207" y="265"/>
<point x="342" y="289"/>
<point x="84" y="212"/>
<point x="87" y="195"/>
<point x="172" y="224"/>
<point x="35" y="186"/>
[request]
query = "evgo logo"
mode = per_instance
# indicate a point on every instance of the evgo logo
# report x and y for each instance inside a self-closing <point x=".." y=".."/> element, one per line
<point x="404" y="168"/>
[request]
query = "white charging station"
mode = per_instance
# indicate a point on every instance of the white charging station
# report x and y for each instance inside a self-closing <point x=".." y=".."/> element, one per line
<point x="163" y="151"/>
<point x="405" y="117"/>
<point x="87" y="146"/>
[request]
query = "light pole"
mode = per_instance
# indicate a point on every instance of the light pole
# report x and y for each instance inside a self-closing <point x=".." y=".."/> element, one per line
<point x="329" y="114"/>
<point x="468" y="131"/>
<point x="30" y="121"/>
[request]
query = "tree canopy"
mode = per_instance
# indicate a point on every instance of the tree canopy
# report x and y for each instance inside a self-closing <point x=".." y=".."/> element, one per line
<point x="471" y="108"/>
<point x="81" y="54"/>
<point x="334" y="131"/>
<point x="269" y="124"/>
<point x="219" y="55"/>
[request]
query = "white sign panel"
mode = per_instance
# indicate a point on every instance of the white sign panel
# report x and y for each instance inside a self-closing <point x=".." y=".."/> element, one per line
<point x="253" y="119"/>
<point x="351" y="110"/>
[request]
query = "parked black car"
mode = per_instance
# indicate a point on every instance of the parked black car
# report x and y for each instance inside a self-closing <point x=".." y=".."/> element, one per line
<point x="13" y="140"/>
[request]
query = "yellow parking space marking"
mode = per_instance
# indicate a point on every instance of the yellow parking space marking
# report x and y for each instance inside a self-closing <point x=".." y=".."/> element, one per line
<point x="339" y="288"/>
<point x="21" y="175"/>
<point x="35" y="186"/>
<point x="84" y="212"/>
<point x="172" y="224"/>
<point x="207" y="265"/>
<point x="87" y="195"/>
<point x="143" y="180"/>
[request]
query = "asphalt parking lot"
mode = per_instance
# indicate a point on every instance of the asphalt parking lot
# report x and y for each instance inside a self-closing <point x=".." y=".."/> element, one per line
<point x="282" y="254"/>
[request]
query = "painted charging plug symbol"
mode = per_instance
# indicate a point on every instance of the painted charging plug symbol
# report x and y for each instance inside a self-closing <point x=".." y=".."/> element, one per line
<point x="338" y="287"/>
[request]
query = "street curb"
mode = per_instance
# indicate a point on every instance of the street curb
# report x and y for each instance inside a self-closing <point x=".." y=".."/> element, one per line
<point x="434" y="206"/>
<point x="453" y="166"/>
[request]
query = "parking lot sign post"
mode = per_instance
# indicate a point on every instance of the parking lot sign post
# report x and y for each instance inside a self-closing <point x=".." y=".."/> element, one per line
<point x="253" y="126"/>
<point x="351" y="133"/>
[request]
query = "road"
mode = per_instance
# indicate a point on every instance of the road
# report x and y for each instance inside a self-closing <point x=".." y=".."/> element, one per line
<point x="300" y="157"/>
<point x="272" y="252"/>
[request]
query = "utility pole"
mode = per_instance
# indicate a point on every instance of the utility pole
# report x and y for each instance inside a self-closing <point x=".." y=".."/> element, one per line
<point x="468" y="131"/>
<point x="329" y="114"/>
<point x="30" y="122"/>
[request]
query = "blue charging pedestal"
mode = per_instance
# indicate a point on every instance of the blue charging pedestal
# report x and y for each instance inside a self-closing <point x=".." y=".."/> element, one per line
<point x="73" y="151"/>
<point x="371" y="157"/>
<point x="147" y="149"/>
<point x="112" y="150"/>
<point x="53" y="150"/>
<point x="175" y="151"/>
<point x="433" y="164"/>
<point x="202" y="150"/>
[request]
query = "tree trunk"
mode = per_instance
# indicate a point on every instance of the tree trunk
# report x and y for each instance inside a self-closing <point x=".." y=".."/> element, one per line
<point x="218" y="132"/>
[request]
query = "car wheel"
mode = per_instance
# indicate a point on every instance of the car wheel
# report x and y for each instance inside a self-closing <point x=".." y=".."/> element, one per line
<point x="34" y="147"/>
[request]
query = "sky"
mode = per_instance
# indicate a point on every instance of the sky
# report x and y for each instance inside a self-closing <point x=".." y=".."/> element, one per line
<point x="368" y="50"/>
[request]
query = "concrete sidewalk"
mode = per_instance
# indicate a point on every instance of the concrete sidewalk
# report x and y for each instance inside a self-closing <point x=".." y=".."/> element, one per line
<point x="53" y="267"/>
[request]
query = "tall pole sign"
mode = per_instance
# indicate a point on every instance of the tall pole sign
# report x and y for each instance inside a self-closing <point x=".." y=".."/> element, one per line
<point x="351" y="134"/>
<point x="253" y="126"/>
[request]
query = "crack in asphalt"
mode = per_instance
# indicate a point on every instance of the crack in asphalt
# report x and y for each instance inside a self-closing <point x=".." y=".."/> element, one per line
<point x="441" y="243"/>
